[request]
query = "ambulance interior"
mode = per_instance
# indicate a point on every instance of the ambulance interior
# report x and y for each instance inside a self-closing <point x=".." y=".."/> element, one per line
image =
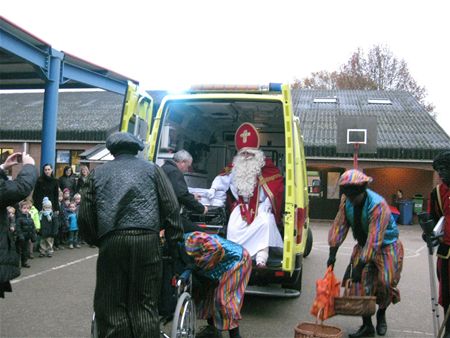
<point x="206" y="129"/>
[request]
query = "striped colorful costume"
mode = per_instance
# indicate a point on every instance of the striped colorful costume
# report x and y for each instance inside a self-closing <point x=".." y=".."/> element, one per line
<point x="382" y="251"/>
<point x="227" y="264"/>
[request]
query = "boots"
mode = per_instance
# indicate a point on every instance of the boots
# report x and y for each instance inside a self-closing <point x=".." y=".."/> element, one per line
<point x="381" y="322"/>
<point x="366" y="330"/>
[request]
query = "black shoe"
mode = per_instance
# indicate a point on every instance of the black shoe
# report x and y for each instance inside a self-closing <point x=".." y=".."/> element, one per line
<point x="364" y="331"/>
<point x="25" y="265"/>
<point x="381" y="323"/>
<point x="208" y="332"/>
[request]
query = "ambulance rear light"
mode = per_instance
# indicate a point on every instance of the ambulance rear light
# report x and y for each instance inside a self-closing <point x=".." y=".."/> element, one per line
<point x="236" y="88"/>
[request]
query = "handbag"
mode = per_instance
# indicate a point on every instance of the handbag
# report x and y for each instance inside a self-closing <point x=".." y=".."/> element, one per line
<point x="354" y="305"/>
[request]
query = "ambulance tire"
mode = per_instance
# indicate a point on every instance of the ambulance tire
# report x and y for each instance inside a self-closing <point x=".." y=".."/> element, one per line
<point x="309" y="243"/>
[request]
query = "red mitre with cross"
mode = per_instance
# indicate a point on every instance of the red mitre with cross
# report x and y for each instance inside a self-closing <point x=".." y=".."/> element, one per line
<point x="246" y="137"/>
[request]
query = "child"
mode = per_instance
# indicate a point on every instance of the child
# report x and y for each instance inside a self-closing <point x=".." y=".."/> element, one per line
<point x="66" y="194"/>
<point x="34" y="213"/>
<point x="77" y="200"/>
<point x="48" y="228"/>
<point x="25" y="231"/>
<point x="73" y="226"/>
<point x="11" y="218"/>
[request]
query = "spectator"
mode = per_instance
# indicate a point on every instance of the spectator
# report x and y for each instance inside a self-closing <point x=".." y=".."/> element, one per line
<point x="73" y="226"/>
<point x="25" y="231"/>
<point x="440" y="207"/>
<point x="377" y="258"/>
<point x="49" y="228"/>
<point x="68" y="181"/>
<point x="46" y="186"/>
<point x="34" y="213"/>
<point x="124" y="204"/>
<point x="84" y="173"/>
<point x="12" y="192"/>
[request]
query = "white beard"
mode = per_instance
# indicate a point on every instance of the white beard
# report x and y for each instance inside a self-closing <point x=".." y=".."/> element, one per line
<point x="246" y="171"/>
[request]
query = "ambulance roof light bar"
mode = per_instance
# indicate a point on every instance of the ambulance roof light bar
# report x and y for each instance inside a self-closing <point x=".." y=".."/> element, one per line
<point x="235" y="88"/>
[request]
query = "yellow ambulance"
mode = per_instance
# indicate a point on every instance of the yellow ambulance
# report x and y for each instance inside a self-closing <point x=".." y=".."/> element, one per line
<point x="203" y="121"/>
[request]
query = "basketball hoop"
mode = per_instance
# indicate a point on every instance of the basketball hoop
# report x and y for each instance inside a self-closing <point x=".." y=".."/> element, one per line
<point x="356" y="137"/>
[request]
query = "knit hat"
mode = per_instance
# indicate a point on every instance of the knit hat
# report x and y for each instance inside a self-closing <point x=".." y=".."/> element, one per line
<point x="46" y="202"/>
<point x="123" y="142"/>
<point x="205" y="249"/>
<point x="66" y="190"/>
<point x="354" y="177"/>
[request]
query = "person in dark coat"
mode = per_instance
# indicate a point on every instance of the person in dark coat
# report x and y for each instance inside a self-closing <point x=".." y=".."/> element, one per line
<point x="124" y="205"/>
<point x="68" y="181"/>
<point x="46" y="186"/>
<point x="440" y="208"/>
<point x="174" y="170"/>
<point x="25" y="231"/>
<point x="12" y="192"/>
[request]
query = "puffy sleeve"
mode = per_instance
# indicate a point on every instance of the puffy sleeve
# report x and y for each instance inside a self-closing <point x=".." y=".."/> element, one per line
<point x="339" y="228"/>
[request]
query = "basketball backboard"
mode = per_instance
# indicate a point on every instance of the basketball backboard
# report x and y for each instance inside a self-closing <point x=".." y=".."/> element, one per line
<point x="356" y="130"/>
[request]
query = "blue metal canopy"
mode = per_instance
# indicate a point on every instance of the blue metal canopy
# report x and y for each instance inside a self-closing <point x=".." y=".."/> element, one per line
<point x="27" y="62"/>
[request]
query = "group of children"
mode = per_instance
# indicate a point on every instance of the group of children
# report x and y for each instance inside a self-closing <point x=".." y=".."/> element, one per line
<point x="46" y="230"/>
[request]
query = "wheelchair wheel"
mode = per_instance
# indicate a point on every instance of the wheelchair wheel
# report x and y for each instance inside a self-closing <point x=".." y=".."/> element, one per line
<point x="183" y="325"/>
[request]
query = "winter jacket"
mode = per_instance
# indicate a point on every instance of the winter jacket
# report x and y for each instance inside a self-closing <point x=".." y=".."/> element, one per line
<point x="12" y="192"/>
<point x="49" y="225"/>
<point x="25" y="228"/>
<point x="46" y="186"/>
<point x="185" y="198"/>
<point x="68" y="182"/>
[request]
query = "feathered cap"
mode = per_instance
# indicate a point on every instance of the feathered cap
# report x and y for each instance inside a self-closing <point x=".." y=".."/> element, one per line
<point x="205" y="249"/>
<point x="354" y="177"/>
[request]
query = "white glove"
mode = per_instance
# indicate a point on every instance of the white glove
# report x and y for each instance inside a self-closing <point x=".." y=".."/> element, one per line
<point x="211" y="193"/>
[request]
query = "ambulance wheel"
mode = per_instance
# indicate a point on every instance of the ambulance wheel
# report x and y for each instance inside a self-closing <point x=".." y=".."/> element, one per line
<point x="183" y="325"/>
<point x="309" y="243"/>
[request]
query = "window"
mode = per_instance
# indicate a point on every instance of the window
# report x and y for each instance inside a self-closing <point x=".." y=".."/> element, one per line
<point x="67" y="158"/>
<point x="379" y="101"/>
<point x="326" y="100"/>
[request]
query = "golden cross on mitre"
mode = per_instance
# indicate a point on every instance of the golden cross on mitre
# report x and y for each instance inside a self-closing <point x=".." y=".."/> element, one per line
<point x="244" y="135"/>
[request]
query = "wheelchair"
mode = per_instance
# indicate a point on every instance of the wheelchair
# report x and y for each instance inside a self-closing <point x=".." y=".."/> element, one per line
<point x="184" y="317"/>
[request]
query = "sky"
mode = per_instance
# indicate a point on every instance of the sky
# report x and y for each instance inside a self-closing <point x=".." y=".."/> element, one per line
<point x="171" y="44"/>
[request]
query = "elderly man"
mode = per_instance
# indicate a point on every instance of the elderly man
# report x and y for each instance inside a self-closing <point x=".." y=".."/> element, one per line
<point x="124" y="205"/>
<point x="255" y="188"/>
<point x="174" y="170"/>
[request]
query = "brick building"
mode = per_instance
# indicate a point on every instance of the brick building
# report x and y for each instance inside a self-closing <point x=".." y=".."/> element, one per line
<point x="408" y="138"/>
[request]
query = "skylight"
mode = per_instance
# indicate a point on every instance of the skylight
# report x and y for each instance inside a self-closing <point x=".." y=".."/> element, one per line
<point x="379" y="101"/>
<point x="326" y="100"/>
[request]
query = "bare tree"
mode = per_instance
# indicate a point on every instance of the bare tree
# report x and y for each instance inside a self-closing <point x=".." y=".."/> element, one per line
<point x="379" y="70"/>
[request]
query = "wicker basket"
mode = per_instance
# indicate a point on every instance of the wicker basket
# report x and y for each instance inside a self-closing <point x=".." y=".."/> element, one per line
<point x="354" y="305"/>
<point x="316" y="330"/>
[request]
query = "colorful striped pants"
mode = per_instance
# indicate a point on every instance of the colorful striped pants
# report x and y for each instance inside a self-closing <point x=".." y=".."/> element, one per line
<point x="129" y="273"/>
<point x="224" y="303"/>
<point x="381" y="276"/>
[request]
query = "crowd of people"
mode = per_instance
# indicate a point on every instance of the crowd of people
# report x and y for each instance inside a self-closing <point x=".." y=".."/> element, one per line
<point x="45" y="220"/>
<point x="127" y="206"/>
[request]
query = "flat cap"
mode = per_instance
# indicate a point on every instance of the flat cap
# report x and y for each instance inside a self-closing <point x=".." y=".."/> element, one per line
<point x="123" y="142"/>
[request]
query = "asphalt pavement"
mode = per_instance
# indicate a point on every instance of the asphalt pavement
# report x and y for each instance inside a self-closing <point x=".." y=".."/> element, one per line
<point x="54" y="297"/>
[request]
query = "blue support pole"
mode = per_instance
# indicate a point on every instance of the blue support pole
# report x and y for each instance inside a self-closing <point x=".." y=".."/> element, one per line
<point x="50" y="114"/>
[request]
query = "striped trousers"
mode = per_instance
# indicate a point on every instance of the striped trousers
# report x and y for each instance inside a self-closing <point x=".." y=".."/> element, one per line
<point x="381" y="276"/>
<point x="129" y="274"/>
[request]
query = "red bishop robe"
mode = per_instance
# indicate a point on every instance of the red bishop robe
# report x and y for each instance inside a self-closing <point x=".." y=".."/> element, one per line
<point x="271" y="182"/>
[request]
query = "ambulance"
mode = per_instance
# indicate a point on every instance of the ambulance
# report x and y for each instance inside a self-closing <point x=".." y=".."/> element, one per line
<point x="203" y="121"/>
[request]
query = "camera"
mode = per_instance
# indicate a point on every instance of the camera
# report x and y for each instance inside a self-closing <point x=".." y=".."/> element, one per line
<point x="19" y="158"/>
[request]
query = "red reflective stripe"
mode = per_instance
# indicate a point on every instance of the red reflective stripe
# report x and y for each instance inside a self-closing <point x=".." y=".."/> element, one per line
<point x="300" y="222"/>
<point x="279" y="273"/>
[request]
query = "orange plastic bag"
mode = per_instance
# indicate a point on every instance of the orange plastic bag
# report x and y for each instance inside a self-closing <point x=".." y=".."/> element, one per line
<point x="326" y="289"/>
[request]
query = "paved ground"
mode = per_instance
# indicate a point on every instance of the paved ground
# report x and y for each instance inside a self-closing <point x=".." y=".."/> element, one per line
<point x="54" y="297"/>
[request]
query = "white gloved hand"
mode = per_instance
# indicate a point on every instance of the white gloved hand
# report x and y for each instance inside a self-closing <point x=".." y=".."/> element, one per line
<point x="211" y="193"/>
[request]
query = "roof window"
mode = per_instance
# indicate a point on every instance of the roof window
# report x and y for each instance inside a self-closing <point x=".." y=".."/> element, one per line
<point x="379" y="101"/>
<point x="326" y="100"/>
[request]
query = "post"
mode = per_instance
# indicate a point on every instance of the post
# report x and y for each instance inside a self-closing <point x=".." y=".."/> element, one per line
<point x="355" y="155"/>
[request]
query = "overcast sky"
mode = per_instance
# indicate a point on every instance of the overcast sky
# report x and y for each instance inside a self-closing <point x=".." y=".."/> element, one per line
<point x="171" y="44"/>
